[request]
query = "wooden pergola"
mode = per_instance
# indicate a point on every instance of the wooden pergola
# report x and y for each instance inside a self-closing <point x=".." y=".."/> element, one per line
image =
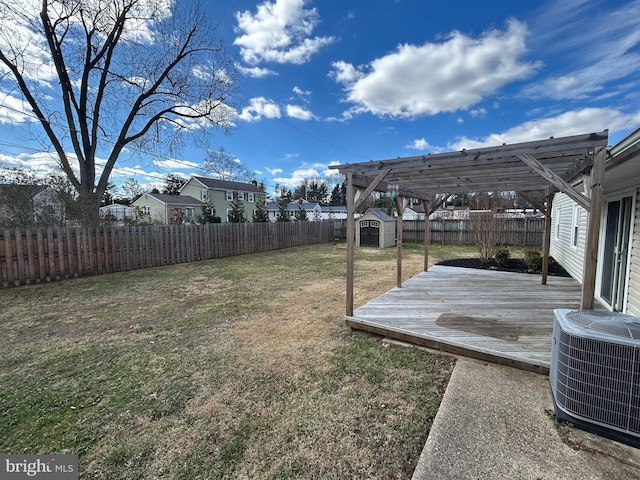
<point x="548" y="166"/>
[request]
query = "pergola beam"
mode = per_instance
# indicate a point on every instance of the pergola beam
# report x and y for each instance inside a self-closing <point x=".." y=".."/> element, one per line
<point x="556" y="181"/>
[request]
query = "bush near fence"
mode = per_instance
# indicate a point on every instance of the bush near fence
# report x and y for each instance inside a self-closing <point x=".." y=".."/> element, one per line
<point x="30" y="256"/>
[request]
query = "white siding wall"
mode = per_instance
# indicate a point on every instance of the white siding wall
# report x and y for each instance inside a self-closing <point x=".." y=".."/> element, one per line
<point x="633" y="302"/>
<point x="561" y="249"/>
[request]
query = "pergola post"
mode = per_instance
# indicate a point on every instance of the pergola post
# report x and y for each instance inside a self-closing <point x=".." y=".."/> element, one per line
<point x="547" y="238"/>
<point x="351" y="242"/>
<point x="400" y="206"/>
<point x="427" y="233"/>
<point x="593" y="230"/>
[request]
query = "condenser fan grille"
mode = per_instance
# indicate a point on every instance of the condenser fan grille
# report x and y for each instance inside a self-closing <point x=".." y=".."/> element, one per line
<point x="598" y="380"/>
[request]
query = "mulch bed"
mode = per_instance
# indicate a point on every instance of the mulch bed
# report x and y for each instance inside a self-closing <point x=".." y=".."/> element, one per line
<point x="513" y="265"/>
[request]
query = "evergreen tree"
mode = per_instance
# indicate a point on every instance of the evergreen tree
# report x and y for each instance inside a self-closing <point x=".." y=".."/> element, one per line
<point x="339" y="195"/>
<point x="317" y="192"/>
<point x="260" y="214"/>
<point x="301" y="214"/>
<point x="236" y="214"/>
<point x="208" y="214"/>
<point x="173" y="183"/>
<point x="283" y="213"/>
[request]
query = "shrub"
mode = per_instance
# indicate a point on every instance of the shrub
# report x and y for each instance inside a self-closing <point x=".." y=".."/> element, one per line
<point x="533" y="260"/>
<point x="502" y="257"/>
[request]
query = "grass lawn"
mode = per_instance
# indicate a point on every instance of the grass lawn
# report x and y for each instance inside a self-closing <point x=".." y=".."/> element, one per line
<point x="231" y="368"/>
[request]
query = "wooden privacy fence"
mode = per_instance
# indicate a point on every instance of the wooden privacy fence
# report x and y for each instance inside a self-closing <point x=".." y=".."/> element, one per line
<point x="30" y="256"/>
<point x="512" y="231"/>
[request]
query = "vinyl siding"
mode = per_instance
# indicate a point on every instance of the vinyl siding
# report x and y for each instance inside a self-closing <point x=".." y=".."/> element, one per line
<point x="561" y="249"/>
<point x="194" y="189"/>
<point x="633" y="299"/>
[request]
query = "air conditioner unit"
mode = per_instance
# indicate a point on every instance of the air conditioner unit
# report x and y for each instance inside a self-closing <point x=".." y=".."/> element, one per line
<point x="595" y="372"/>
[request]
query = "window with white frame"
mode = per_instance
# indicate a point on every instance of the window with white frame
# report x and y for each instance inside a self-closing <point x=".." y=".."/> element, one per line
<point x="240" y="195"/>
<point x="146" y="210"/>
<point x="204" y="194"/>
<point x="251" y="197"/>
<point x="229" y="196"/>
<point x="575" y="227"/>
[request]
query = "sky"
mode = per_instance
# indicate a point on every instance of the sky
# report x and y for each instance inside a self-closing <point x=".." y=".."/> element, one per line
<point x="324" y="83"/>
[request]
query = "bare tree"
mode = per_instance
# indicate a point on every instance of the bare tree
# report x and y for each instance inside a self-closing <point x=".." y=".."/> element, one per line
<point x="487" y="224"/>
<point x="221" y="164"/>
<point x="104" y="75"/>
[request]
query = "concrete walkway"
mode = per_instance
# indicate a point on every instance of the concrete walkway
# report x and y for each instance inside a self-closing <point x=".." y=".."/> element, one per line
<point x="496" y="422"/>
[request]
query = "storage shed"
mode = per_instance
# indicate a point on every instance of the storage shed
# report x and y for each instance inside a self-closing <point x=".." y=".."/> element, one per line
<point x="376" y="229"/>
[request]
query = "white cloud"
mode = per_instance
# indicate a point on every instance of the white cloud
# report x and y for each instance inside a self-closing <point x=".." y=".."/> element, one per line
<point x="303" y="94"/>
<point x="344" y="72"/>
<point x="255" y="72"/>
<point x="260" y="107"/>
<point x="574" y="122"/>
<point x="421" y="144"/>
<point x="172" y="164"/>
<point x="437" y="77"/>
<point x="273" y="171"/>
<point x="296" y="111"/>
<point x="14" y="110"/>
<point x="317" y="171"/>
<point x="478" y="112"/>
<point x="280" y="32"/>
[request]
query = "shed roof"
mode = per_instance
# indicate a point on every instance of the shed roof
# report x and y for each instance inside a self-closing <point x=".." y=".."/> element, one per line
<point x="378" y="213"/>
<point x="499" y="168"/>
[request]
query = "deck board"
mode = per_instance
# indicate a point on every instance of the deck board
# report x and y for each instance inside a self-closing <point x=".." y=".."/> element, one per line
<point x="515" y="302"/>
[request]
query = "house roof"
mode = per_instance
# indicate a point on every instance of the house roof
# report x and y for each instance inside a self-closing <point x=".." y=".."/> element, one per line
<point x="174" y="199"/>
<point x="334" y="208"/>
<point x="505" y="167"/>
<point x="217" y="184"/>
<point x="293" y="205"/>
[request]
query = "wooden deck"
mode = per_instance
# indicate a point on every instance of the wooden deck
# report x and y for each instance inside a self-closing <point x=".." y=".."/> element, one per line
<point x="500" y="317"/>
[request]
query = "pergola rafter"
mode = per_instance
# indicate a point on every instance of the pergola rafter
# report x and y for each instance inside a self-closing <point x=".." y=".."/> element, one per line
<point x="546" y="166"/>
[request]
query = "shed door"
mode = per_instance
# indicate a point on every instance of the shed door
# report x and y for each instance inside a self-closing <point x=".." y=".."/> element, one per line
<point x="370" y="233"/>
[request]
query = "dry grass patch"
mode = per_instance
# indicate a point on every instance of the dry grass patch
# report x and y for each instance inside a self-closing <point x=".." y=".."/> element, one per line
<point x="233" y="368"/>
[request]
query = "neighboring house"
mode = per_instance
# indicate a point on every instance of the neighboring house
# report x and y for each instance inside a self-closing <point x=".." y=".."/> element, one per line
<point x="165" y="209"/>
<point x="115" y="212"/>
<point x="220" y="193"/>
<point x="313" y="209"/>
<point x="333" y="212"/>
<point x="618" y="267"/>
<point x="30" y="206"/>
<point x="413" y="212"/>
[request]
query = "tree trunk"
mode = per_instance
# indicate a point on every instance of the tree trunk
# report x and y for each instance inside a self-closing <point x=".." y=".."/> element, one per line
<point x="87" y="211"/>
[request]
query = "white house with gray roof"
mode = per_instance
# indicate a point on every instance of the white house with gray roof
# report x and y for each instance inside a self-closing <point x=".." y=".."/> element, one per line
<point x="165" y="209"/>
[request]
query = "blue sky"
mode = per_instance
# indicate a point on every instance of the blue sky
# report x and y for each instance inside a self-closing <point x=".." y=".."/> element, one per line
<point x="337" y="82"/>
